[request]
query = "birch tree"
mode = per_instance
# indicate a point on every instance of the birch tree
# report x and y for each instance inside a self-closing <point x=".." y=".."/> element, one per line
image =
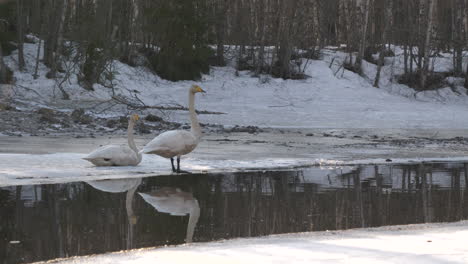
<point x="285" y="50"/>
<point x="427" y="43"/>
<point x="19" y="29"/>
<point x="221" y="7"/>
<point x="3" y="70"/>
<point x="364" y="6"/>
<point x="388" y="23"/>
<point x="59" y="41"/>
<point x="458" y="35"/>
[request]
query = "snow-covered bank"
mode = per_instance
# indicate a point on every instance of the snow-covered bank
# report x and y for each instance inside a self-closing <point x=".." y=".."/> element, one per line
<point x="424" y="243"/>
<point x="22" y="169"/>
<point x="26" y="169"/>
<point x="326" y="100"/>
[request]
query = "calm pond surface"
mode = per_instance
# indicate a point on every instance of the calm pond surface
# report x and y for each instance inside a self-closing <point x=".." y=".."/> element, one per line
<point x="41" y="222"/>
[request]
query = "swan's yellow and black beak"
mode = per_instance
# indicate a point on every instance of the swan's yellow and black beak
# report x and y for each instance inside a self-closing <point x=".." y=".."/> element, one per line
<point x="198" y="89"/>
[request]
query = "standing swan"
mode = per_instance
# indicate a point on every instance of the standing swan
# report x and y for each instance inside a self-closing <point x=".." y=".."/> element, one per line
<point x="114" y="155"/>
<point x="178" y="142"/>
<point x="175" y="202"/>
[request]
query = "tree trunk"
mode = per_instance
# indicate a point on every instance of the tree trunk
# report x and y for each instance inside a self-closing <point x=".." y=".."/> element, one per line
<point x="405" y="58"/>
<point x="411" y="59"/>
<point x="347" y="25"/>
<point x="423" y="6"/>
<point x="388" y="21"/>
<point x="458" y="36"/>
<point x="38" y="52"/>
<point x="19" y="12"/>
<point x="261" y="52"/>
<point x="59" y="43"/>
<point x="39" y="18"/>
<point x="3" y="70"/>
<point x="286" y="46"/>
<point x="362" y="44"/>
<point x="50" y="36"/>
<point x="316" y="23"/>
<point x="466" y="77"/>
<point x="221" y="9"/>
<point x="427" y="44"/>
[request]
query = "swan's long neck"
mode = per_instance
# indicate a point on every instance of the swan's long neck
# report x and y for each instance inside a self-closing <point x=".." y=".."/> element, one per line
<point x="131" y="215"/>
<point x="193" y="220"/>
<point x="131" y="141"/>
<point x="195" y="126"/>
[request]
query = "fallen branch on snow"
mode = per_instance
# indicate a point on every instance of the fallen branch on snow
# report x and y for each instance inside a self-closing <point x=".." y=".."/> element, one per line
<point x="141" y="105"/>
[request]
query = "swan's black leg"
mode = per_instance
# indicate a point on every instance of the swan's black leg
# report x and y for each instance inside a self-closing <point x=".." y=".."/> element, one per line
<point x="178" y="164"/>
<point x="172" y="163"/>
<point x="178" y="167"/>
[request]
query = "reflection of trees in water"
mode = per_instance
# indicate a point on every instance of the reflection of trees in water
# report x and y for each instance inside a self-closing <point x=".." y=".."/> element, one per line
<point x="366" y="196"/>
<point x="69" y="219"/>
<point x="7" y="210"/>
<point x="77" y="219"/>
<point x="128" y="186"/>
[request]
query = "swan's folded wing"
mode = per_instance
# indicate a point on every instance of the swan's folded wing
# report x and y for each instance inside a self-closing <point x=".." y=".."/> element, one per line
<point x="105" y="152"/>
<point x="177" y="142"/>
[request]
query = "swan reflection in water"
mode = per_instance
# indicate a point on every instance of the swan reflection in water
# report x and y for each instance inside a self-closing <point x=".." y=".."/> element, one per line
<point x="175" y="202"/>
<point x="119" y="186"/>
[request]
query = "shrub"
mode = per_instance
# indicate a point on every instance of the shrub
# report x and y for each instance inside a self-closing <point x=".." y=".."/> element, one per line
<point x="434" y="80"/>
<point x="183" y="53"/>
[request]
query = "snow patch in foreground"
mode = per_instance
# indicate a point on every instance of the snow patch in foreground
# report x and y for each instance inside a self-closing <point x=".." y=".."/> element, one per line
<point x="424" y="243"/>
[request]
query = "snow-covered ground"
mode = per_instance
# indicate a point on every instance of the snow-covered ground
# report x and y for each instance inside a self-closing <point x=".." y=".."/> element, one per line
<point x="424" y="243"/>
<point x="329" y="99"/>
<point x="334" y="100"/>
<point x="21" y="169"/>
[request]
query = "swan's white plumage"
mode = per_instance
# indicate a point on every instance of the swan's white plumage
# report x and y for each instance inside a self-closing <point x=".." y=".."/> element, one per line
<point x="178" y="142"/>
<point x="118" y="186"/>
<point x="171" y="201"/>
<point x="172" y="143"/>
<point x="175" y="202"/>
<point x="115" y="155"/>
<point x="115" y="186"/>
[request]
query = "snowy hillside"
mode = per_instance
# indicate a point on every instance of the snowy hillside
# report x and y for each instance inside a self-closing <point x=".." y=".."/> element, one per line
<point x="331" y="98"/>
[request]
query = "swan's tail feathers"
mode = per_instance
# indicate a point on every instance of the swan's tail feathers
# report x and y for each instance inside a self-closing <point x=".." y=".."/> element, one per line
<point x="149" y="151"/>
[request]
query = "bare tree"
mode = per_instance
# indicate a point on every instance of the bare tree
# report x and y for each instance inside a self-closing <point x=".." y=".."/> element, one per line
<point x="261" y="25"/>
<point x="427" y="43"/>
<point x="59" y="44"/>
<point x="458" y="35"/>
<point x="221" y="7"/>
<point x="286" y="44"/>
<point x="3" y="70"/>
<point x="20" y="18"/>
<point x="364" y="6"/>
<point x="388" y="23"/>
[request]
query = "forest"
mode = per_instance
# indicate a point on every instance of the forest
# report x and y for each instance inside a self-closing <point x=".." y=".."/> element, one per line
<point x="180" y="40"/>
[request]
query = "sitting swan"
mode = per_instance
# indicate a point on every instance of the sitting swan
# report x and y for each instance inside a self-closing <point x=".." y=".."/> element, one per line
<point x="178" y="142"/>
<point x="119" y="186"/>
<point x="114" y="155"/>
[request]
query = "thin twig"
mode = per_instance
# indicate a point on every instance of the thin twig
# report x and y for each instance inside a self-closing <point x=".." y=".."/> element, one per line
<point x="132" y="105"/>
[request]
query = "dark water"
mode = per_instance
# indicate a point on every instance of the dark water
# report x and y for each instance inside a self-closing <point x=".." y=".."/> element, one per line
<point x="43" y="222"/>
